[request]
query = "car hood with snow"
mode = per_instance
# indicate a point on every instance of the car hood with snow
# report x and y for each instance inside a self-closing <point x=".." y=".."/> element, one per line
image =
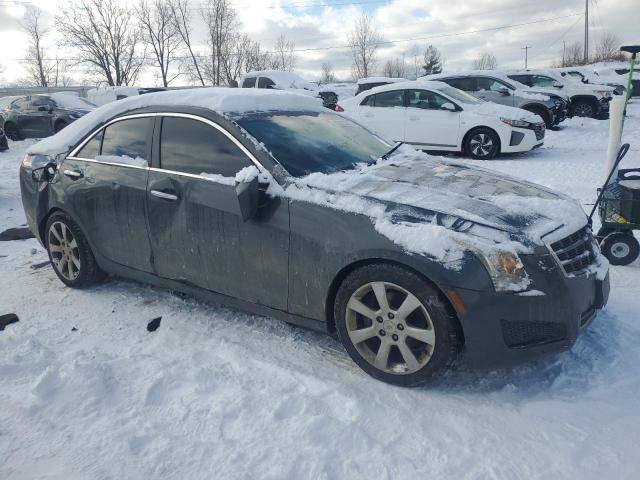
<point x="414" y="186"/>
<point x="491" y="109"/>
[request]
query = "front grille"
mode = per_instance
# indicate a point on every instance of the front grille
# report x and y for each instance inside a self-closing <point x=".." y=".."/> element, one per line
<point x="524" y="334"/>
<point x="575" y="252"/>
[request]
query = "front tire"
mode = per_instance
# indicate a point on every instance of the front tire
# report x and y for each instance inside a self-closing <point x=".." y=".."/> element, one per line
<point x="394" y="324"/>
<point x="583" y="108"/>
<point x="620" y="248"/>
<point x="12" y="132"/>
<point x="69" y="252"/>
<point x="482" y="144"/>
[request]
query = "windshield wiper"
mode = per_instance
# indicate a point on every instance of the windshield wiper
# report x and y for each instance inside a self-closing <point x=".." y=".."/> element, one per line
<point x="393" y="149"/>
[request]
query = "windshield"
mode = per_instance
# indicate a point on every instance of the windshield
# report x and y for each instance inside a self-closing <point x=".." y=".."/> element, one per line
<point x="459" y="95"/>
<point x="309" y="142"/>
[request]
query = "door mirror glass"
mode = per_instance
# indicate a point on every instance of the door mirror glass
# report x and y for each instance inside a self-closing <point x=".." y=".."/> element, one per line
<point x="248" y="198"/>
<point x="44" y="174"/>
<point x="448" y="106"/>
<point x="504" y="91"/>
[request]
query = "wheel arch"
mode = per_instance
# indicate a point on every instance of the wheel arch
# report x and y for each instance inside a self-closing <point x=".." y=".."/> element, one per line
<point x="477" y="127"/>
<point x="348" y="269"/>
<point x="538" y="110"/>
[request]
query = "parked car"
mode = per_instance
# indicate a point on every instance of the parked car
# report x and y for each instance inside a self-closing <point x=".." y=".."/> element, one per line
<point x="586" y="100"/>
<point x="435" y="116"/>
<point x="498" y="88"/>
<point x="368" y="83"/>
<point x="3" y="138"/>
<point x="278" y="80"/>
<point x="102" y="95"/>
<point x="302" y="214"/>
<point x="586" y="75"/>
<point x="38" y="116"/>
<point x="621" y="72"/>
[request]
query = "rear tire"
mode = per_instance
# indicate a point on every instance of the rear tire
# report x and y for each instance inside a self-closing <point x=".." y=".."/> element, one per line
<point x="69" y="252"/>
<point x="482" y="144"/>
<point x="620" y="248"/>
<point x="405" y="342"/>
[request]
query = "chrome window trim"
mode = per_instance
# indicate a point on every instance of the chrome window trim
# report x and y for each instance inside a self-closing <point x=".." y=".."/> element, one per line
<point x="235" y="141"/>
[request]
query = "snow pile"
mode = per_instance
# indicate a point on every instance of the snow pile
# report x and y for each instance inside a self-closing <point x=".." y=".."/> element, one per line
<point x="123" y="159"/>
<point x="217" y="178"/>
<point x="222" y="100"/>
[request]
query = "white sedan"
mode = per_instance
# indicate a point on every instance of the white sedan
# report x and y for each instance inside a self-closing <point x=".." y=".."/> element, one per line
<point x="435" y="116"/>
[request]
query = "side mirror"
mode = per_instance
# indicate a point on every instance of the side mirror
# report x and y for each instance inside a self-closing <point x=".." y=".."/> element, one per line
<point x="43" y="109"/>
<point x="448" y="106"/>
<point x="248" y="198"/>
<point x="504" y="91"/>
<point x="44" y="174"/>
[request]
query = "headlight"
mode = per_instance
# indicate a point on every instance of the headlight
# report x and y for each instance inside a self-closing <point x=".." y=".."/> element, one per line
<point x="506" y="271"/>
<point x="516" y="123"/>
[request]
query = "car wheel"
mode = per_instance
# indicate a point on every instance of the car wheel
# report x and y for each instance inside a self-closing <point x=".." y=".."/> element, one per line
<point x="11" y="131"/>
<point x="394" y="324"/>
<point x="69" y="252"/>
<point x="583" y="108"/>
<point x="482" y="144"/>
<point x="620" y="248"/>
<point x="59" y="126"/>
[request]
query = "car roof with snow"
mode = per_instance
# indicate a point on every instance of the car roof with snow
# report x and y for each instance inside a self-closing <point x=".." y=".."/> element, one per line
<point x="216" y="99"/>
<point x="281" y="79"/>
<point x="475" y="73"/>
<point x="367" y="80"/>
<point x="405" y="84"/>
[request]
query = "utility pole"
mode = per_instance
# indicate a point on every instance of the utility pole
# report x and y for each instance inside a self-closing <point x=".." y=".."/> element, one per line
<point x="586" y="31"/>
<point x="564" y="47"/>
<point x="526" y="56"/>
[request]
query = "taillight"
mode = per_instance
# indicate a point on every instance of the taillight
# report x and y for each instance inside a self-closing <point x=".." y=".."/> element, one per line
<point x="339" y="108"/>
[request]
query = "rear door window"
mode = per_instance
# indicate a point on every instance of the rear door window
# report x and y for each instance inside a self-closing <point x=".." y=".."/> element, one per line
<point x="543" y="81"/>
<point x="525" y="79"/>
<point x="249" y="82"/>
<point x="266" y="82"/>
<point x="191" y="146"/>
<point x="127" y="139"/>
<point x="490" y="84"/>
<point x="388" y="99"/>
<point x="466" y="84"/>
<point x="426" y="100"/>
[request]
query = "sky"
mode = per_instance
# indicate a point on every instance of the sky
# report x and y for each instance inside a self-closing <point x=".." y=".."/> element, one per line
<point x="462" y="30"/>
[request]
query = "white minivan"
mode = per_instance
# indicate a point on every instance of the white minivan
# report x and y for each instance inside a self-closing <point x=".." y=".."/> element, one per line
<point x="435" y="116"/>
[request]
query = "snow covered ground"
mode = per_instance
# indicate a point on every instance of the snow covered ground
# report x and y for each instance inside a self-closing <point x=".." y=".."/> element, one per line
<point x="86" y="392"/>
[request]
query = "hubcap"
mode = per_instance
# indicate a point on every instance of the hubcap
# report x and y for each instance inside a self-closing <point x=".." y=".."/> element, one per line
<point x="620" y="250"/>
<point x="583" y="111"/>
<point x="481" y="144"/>
<point x="405" y="342"/>
<point x="64" y="251"/>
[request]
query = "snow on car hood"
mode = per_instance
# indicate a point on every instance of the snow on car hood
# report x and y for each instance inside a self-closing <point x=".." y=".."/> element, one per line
<point x="512" y="214"/>
<point x="494" y="109"/>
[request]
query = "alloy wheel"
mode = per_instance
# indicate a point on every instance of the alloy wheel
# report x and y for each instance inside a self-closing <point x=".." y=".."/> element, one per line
<point x="64" y="251"/>
<point x="390" y="328"/>
<point x="11" y="132"/>
<point x="481" y="144"/>
<point x="583" y="110"/>
<point x="620" y="250"/>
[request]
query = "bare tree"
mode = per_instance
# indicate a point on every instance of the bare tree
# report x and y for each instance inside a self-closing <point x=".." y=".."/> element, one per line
<point x="607" y="48"/>
<point x="256" y="58"/>
<point x="486" y="61"/>
<point x="107" y="37"/>
<point x="39" y="69"/>
<point x="432" y="59"/>
<point x="160" y="32"/>
<point x="327" y="75"/>
<point x="363" y="41"/>
<point x="181" y="12"/>
<point x="572" y="56"/>
<point x="395" y="68"/>
<point x="283" y="57"/>
<point x="221" y="20"/>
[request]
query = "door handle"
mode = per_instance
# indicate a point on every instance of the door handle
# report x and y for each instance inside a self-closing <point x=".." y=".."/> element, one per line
<point x="73" y="174"/>
<point x="164" y="195"/>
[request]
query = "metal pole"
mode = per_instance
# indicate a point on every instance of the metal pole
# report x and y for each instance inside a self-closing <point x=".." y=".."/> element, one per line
<point x="526" y="56"/>
<point x="586" y="31"/>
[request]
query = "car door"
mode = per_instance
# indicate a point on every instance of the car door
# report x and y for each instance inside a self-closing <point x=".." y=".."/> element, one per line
<point x="385" y="114"/>
<point x="428" y="124"/>
<point x="37" y="119"/>
<point x="105" y="183"/>
<point x="197" y="233"/>
<point x="492" y="90"/>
